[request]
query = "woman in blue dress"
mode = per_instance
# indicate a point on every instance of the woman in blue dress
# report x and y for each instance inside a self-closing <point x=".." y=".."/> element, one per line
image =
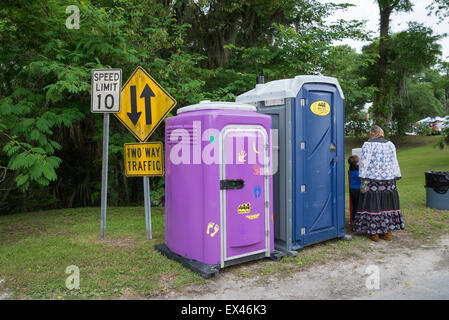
<point x="378" y="212"/>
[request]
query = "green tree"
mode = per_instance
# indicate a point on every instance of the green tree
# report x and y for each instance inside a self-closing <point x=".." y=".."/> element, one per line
<point x="382" y="103"/>
<point x="410" y="53"/>
<point x="346" y="64"/>
<point x="288" y="50"/>
<point x="439" y="8"/>
<point x="443" y="82"/>
<point x="45" y="125"/>
<point x="207" y="49"/>
<point x="250" y="23"/>
<point x="420" y="103"/>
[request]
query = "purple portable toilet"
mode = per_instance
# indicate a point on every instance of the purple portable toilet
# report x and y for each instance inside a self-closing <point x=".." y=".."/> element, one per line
<point x="218" y="186"/>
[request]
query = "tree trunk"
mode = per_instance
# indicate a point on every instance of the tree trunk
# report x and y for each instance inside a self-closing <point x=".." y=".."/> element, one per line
<point x="388" y="127"/>
<point x="381" y="104"/>
<point x="446" y="98"/>
<point x="11" y="186"/>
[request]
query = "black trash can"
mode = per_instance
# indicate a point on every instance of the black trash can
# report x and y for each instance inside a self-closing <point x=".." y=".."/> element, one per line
<point x="437" y="190"/>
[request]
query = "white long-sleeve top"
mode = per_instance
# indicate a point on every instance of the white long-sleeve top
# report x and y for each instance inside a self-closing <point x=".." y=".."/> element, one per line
<point x="379" y="161"/>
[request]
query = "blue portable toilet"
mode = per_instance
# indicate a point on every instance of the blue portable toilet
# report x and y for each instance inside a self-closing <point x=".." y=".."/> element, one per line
<point x="309" y="184"/>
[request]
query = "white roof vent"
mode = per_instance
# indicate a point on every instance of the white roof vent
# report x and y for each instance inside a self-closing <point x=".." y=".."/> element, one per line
<point x="207" y="105"/>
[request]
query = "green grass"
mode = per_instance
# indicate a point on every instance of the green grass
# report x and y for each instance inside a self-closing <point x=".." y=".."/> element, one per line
<point x="36" y="248"/>
<point x="416" y="155"/>
<point x="421" y="221"/>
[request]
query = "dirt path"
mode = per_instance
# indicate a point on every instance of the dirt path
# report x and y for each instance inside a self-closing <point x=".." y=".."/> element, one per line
<point x="3" y="295"/>
<point x="404" y="274"/>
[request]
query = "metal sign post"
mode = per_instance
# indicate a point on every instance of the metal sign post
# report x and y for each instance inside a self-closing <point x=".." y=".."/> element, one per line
<point x="146" y="191"/>
<point x="104" y="174"/>
<point x="145" y="159"/>
<point x="106" y="99"/>
<point x="145" y="106"/>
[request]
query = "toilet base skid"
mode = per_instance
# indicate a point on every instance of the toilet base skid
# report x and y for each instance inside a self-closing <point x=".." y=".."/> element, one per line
<point x="205" y="270"/>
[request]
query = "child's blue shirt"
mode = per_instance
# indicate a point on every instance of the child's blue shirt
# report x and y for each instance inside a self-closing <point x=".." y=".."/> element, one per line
<point x="354" y="179"/>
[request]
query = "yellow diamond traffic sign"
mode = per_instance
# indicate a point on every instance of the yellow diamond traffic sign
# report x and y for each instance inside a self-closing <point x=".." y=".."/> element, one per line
<point x="145" y="104"/>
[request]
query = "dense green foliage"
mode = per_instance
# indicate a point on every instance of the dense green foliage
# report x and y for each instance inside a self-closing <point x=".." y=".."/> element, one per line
<point x="348" y="66"/>
<point x="46" y="128"/>
<point x="382" y="100"/>
<point x="413" y="88"/>
<point x="50" y="155"/>
<point x="51" y="143"/>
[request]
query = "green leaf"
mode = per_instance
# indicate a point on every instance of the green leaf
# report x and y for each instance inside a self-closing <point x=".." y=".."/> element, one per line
<point x="43" y="125"/>
<point x="54" y="161"/>
<point x="49" y="171"/>
<point x="38" y="150"/>
<point x="35" y="135"/>
<point x="12" y="150"/>
<point x="27" y="122"/>
<point x="22" y="179"/>
<point x="36" y="170"/>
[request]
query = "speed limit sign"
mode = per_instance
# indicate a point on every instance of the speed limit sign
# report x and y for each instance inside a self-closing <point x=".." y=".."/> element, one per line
<point x="106" y="90"/>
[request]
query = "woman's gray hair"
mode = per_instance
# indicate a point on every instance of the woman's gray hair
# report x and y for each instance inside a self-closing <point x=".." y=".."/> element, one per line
<point x="376" y="132"/>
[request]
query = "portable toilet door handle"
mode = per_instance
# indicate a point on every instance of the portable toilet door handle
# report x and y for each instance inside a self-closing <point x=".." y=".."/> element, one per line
<point x="333" y="147"/>
<point x="232" y="184"/>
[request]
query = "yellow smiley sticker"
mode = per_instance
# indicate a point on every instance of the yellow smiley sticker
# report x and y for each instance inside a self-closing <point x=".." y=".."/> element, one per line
<point x="252" y="216"/>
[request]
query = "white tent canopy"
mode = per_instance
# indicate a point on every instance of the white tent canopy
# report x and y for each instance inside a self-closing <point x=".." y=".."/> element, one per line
<point x="425" y="120"/>
<point x="446" y="118"/>
<point x="439" y="122"/>
<point x="430" y="119"/>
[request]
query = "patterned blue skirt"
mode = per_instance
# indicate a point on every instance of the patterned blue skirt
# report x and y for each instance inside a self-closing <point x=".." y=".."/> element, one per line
<point x="378" y="211"/>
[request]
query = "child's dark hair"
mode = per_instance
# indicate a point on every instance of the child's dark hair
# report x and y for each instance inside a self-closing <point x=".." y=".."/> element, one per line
<point x="352" y="160"/>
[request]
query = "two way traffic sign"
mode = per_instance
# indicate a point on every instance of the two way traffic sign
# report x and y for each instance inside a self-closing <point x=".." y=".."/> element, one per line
<point x="144" y="159"/>
<point x="145" y="104"/>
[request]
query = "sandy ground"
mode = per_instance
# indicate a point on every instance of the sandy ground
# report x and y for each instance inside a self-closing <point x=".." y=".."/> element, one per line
<point x="403" y="274"/>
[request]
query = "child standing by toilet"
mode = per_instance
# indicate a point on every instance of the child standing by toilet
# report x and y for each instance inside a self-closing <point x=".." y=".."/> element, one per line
<point x="354" y="183"/>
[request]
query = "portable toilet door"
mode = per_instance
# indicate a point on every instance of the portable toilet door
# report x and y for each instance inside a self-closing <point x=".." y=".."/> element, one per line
<point x="245" y="194"/>
<point x="309" y="195"/>
<point x="318" y="164"/>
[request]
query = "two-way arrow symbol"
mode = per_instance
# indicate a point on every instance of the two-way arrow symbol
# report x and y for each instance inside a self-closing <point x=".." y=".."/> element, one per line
<point x="147" y="93"/>
<point x="133" y="115"/>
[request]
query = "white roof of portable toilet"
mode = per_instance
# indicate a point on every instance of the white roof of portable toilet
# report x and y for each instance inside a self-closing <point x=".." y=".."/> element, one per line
<point x="207" y="105"/>
<point x="285" y="88"/>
